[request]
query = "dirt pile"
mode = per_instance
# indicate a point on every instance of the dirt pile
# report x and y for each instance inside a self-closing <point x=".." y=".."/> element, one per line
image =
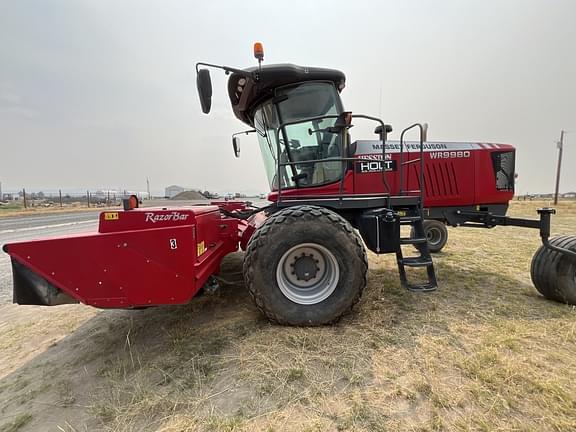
<point x="189" y="195"/>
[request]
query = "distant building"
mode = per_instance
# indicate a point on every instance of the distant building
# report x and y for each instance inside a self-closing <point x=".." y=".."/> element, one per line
<point x="172" y="191"/>
<point x="569" y="195"/>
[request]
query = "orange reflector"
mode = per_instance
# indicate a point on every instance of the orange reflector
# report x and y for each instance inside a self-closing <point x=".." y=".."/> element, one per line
<point x="133" y="201"/>
<point x="258" y="51"/>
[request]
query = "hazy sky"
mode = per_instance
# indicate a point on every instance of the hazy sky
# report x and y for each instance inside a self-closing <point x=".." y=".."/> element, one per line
<point x="101" y="93"/>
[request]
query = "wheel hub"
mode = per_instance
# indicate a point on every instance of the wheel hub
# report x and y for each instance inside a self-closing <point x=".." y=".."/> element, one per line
<point x="433" y="236"/>
<point x="305" y="267"/>
<point x="307" y="273"/>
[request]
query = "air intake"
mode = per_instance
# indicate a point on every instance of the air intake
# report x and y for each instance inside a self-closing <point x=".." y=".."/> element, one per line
<point x="439" y="179"/>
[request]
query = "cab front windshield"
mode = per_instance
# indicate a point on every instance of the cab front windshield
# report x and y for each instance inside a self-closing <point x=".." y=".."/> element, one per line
<point x="302" y="141"/>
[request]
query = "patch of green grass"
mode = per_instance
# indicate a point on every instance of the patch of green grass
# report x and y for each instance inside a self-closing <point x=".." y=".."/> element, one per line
<point x="10" y="206"/>
<point x="361" y="416"/>
<point x="20" y="383"/>
<point x="295" y="374"/>
<point x="31" y="394"/>
<point x="15" y="425"/>
<point x="65" y="393"/>
<point x="225" y="424"/>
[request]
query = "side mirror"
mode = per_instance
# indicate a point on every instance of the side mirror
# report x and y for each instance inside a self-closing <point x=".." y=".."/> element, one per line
<point x="236" y="146"/>
<point x="204" y="84"/>
<point x="236" y="141"/>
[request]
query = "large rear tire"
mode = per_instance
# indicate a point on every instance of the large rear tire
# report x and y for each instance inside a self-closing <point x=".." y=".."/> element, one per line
<point x="554" y="273"/>
<point x="305" y="266"/>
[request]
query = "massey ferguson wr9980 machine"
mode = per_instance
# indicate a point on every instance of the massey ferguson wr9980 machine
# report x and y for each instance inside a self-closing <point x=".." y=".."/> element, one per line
<point x="305" y="260"/>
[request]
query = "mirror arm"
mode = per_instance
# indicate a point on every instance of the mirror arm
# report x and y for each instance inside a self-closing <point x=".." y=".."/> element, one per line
<point x="226" y="69"/>
<point x="246" y="132"/>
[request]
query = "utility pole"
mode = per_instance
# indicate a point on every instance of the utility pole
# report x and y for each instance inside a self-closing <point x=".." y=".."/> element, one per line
<point x="148" y="187"/>
<point x="560" y="145"/>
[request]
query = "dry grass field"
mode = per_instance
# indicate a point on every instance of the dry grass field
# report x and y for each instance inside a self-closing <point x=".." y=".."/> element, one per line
<point x="485" y="352"/>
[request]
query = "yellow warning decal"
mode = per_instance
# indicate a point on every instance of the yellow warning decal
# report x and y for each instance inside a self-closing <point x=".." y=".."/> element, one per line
<point x="200" y="248"/>
<point x="110" y="216"/>
<point x="402" y="212"/>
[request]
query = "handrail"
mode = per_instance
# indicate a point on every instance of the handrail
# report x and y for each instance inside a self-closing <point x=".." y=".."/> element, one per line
<point x="278" y="152"/>
<point x="355" y="159"/>
<point x="383" y="139"/>
<point x="343" y="144"/>
<point x="401" y="169"/>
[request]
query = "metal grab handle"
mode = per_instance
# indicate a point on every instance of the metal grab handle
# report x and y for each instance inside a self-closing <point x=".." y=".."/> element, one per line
<point x="383" y="140"/>
<point x="423" y="131"/>
<point x="343" y="145"/>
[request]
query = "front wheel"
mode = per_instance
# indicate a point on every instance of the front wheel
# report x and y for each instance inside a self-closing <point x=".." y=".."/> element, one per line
<point x="305" y="266"/>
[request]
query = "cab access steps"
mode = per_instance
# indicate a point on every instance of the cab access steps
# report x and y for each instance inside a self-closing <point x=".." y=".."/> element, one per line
<point x="413" y="216"/>
<point x="421" y="260"/>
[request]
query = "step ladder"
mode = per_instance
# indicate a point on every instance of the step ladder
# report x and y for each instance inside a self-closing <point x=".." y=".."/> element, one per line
<point x="422" y="260"/>
<point x="414" y="217"/>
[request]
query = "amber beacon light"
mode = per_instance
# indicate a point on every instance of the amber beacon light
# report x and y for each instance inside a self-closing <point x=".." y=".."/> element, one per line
<point x="258" y="51"/>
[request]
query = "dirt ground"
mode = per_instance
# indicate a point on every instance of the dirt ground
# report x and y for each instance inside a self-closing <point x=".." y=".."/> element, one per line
<point x="485" y="352"/>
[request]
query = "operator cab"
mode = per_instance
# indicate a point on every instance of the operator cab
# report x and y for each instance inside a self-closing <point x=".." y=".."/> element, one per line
<point x="293" y="110"/>
<point x="286" y="135"/>
<point x="297" y="114"/>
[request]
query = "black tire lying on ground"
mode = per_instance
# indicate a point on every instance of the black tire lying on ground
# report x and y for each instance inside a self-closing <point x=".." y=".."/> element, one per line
<point x="436" y="234"/>
<point x="305" y="266"/>
<point x="554" y="273"/>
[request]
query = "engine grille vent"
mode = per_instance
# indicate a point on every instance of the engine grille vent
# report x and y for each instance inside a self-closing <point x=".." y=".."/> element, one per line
<point x="439" y="179"/>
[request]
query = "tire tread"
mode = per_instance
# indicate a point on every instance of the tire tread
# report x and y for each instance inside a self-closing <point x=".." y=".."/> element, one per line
<point x="287" y="216"/>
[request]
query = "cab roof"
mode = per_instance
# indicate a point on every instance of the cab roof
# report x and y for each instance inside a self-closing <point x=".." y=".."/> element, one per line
<point x="252" y="86"/>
